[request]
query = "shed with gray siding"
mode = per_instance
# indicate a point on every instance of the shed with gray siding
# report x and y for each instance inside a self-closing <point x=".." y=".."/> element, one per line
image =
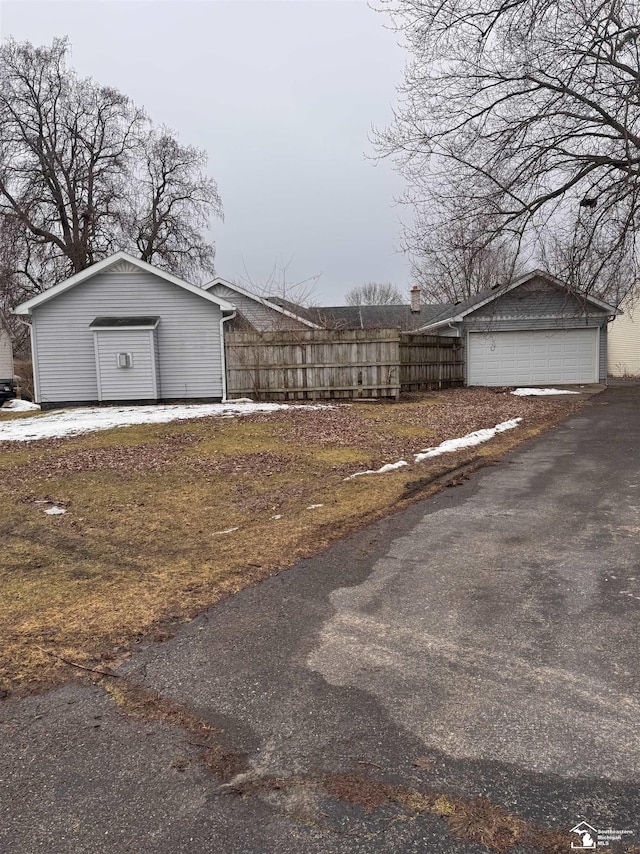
<point x="123" y="330"/>
<point x="535" y="331"/>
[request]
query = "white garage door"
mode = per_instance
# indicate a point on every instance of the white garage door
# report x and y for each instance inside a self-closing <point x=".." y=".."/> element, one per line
<point x="533" y="358"/>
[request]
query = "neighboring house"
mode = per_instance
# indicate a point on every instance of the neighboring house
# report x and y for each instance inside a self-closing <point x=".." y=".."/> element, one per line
<point x="6" y="363"/>
<point x="624" y="342"/>
<point x="269" y="314"/>
<point x="260" y="313"/>
<point x="123" y="330"/>
<point x="533" y="331"/>
<point x="6" y="353"/>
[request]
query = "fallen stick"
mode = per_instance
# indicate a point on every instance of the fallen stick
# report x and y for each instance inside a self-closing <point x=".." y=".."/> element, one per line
<point x="75" y="663"/>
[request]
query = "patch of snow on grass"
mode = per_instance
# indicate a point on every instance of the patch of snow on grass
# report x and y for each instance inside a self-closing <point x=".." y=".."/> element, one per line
<point x="539" y="392"/>
<point x="227" y="531"/>
<point x="55" y="511"/>
<point x="314" y="506"/>
<point x="279" y="516"/>
<point x="73" y="422"/>
<point x="468" y="441"/>
<point x="382" y="470"/>
<point x="16" y="405"/>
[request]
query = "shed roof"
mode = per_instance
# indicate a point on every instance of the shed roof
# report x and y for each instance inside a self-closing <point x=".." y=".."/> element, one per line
<point x="146" y="322"/>
<point x="102" y="267"/>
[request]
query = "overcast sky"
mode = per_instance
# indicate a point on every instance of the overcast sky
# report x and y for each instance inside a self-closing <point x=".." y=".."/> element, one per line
<point x="282" y="96"/>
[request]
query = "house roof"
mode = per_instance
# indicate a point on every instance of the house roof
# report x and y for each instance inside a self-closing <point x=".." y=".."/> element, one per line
<point x="457" y="312"/>
<point x="285" y="307"/>
<point x="298" y="311"/>
<point x="377" y="316"/>
<point x="104" y="265"/>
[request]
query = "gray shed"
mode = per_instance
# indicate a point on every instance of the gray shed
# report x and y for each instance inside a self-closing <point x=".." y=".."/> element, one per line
<point x="533" y="331"/>
<point x="125" y="331"/>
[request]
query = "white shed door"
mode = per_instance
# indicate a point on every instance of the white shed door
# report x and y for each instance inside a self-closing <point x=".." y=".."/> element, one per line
<point x="125" y="363"/>
<point x="540" y="357"/>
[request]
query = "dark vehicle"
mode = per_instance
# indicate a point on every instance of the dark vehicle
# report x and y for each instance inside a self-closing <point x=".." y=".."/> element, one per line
<point x="7" y="390"/>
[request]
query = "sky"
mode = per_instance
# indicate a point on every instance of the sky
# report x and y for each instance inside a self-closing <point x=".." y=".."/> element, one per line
<point x="282" y="95"/>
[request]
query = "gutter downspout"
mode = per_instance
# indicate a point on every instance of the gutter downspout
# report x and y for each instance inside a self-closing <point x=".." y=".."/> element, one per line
<point x="223" y="319"/>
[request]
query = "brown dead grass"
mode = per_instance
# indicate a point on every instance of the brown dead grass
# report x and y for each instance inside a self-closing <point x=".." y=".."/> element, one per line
<point x="475" y="820"/>
<point x="138" y="702"/>
<point x="143" y="541"/>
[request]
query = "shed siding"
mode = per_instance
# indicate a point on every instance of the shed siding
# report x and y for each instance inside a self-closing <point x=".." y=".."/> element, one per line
<point x="624" y="344"/>
<point x="135" y="383"/>
<point x="6" y="354"/>
<point x="262" y="318"/>
<point x="188" y="336"/>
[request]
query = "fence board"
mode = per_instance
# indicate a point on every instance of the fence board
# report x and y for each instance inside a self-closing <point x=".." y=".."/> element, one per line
<point x="430" y="361"/>
<point x="347" y="363"/>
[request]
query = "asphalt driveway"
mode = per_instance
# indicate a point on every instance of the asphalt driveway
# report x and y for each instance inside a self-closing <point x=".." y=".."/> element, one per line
<point x="483" y="643"/>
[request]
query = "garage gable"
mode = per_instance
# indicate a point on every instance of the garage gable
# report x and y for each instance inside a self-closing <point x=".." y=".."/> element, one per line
<point x="538" y="297"/>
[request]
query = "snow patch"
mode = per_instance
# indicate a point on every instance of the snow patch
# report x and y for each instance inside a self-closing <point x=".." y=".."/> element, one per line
<point x="279" y="516"/>
<point x="538" y="392"/>
<point x="468" y="441"/>
<point x="74" y="422"/>
<point x="227" y="531"/>
<point x="382" y="470"/>
<point x="17" y="405"/>
<point x="55" y="511"/>
<point x="314" y="506"/>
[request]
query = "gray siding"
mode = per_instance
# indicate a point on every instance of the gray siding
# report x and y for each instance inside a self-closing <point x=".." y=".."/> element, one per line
<point x="6" y="354"/>
<point x="603" y="357"/>
<point x="188" y="336"/>
<point x="136" y="382"/>
<point x="261" y="317"/>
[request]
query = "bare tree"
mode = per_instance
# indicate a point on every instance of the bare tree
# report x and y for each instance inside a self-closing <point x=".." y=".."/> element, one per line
<point x="451" y="257"/>
<point x="83" y="174"/>
<point x="172" y="207"/>
<point x="279" y="283"/>
<point x="588" y="264"/>
<point x="529" y="110"/>
<point x="375" y="293"/>
<point x="66" y="147"/>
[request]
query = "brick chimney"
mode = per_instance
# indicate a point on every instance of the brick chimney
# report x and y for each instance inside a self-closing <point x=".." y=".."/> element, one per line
<point x="415" y="299"/>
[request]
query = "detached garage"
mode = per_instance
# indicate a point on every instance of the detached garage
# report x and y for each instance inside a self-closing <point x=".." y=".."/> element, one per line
<point x="535" y="331"/>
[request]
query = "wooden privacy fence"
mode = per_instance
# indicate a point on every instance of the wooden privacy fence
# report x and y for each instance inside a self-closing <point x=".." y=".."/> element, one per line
<point x="430" y="361"/>
<point x="328" y="363"/>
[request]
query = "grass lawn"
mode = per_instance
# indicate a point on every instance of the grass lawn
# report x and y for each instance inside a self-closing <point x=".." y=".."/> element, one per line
<point x="162" y="521"/>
